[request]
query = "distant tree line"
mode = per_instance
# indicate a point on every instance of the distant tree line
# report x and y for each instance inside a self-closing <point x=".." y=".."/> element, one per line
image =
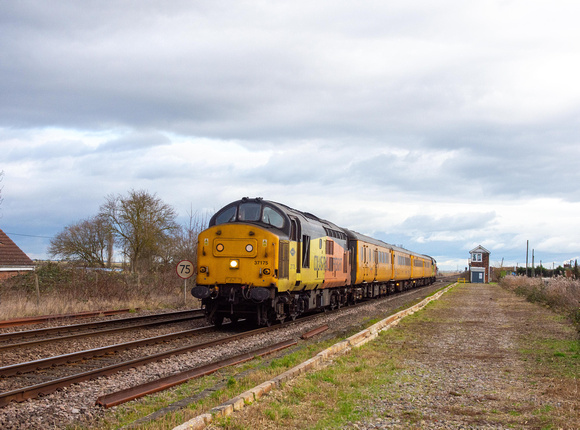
<point x="139" y="225"/>
<point x="543" y="272"/>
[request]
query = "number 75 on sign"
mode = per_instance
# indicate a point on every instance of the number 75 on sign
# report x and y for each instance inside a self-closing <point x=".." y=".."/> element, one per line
<point x="185" y="269"/>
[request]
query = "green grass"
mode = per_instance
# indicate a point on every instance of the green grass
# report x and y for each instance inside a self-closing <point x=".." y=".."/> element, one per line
<point x="561" y="356"/>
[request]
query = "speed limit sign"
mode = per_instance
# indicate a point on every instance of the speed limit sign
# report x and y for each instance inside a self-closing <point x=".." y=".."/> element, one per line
<point x="185" y="269"/>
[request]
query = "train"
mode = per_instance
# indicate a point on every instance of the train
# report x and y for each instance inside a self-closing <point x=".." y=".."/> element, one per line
<point x="265" y="262"/>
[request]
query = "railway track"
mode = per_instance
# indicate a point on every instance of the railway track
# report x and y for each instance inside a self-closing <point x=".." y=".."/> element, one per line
<point x="29" y="390"/>
<point x="44" y="318"/>
<point x="40" y="377"/>
<point x="52" y="334"/>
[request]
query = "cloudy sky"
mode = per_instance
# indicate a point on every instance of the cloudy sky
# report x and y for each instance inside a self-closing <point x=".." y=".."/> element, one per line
<point x="438" y="126"/>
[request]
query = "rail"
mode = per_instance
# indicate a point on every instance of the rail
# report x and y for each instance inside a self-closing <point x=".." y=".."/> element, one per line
<point x="123" y="396"/>
<point x="44" y="318"/>
<point x="185" y="316"/>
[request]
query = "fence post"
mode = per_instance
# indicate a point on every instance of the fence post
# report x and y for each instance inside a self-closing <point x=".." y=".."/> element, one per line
<point x="37" y="290"/>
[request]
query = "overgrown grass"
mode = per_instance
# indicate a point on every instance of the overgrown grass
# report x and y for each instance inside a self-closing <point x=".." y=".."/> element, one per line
<point x="561" y="294"/>
<point x="66" y="289"/>
<point x="327" y="398"/>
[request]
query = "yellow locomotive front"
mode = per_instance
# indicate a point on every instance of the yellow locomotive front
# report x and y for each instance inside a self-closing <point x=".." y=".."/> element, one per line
<point x="237" y="254"/>
<point x="238" y="261"/>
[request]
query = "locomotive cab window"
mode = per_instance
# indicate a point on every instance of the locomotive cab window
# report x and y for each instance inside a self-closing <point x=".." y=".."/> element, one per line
<point x="250" y="212"/>
<point x="272" y="217"/>
<point x="226" y="215"/>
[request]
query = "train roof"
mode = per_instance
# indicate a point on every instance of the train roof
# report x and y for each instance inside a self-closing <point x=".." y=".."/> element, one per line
<point x="291" y="211"/>
<point x="358" y="236"/>
<point x="351" y="234"/>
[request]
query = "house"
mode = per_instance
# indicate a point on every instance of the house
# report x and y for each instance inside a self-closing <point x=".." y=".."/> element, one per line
<point x="479" y="271"/>
<point x="12" y="259"/>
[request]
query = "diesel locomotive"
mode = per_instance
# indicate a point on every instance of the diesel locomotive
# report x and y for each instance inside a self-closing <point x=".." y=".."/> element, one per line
<point x="266" y="262"/>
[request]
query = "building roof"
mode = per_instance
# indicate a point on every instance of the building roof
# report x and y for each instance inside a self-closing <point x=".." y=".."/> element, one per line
<point x="480" y="249"/>
<point x="11" y="256"/>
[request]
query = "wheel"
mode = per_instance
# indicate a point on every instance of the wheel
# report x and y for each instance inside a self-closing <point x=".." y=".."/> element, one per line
<point x="217" y="320"/>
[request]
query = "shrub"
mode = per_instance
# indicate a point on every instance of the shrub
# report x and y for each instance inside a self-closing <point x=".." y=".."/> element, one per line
<point x="560" y="293"/>
<point x="65" y="288"/>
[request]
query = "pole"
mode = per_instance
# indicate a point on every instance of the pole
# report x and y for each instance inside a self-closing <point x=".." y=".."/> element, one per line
<point x="184" y="292"/>
<point x="37" y="289"/>
<point x="527" y="254"/>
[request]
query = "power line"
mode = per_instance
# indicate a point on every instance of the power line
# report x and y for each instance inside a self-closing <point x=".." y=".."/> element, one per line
<point x="28" y="235"/>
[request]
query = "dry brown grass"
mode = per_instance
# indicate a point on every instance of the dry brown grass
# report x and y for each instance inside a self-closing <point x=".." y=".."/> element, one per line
<point x="562" y="294"/>
<point x="65" y="289"/>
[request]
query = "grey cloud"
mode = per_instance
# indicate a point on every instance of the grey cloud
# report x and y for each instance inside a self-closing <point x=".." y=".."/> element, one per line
<point x="134" y="142"/>
<point x="252" y="72"/>
<point x="383" y="101"/>
<point x="48" y="152"/>
<point x="460" y="222"/>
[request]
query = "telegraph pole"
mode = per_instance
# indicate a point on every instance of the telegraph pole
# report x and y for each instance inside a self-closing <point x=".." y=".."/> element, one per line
<point x="527" y="253"/>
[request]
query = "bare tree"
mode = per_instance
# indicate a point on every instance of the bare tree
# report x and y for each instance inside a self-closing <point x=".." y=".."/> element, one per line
<point x="184" y="243"/>
<point x="141" y="223"/>
<point x="88" y="241"/>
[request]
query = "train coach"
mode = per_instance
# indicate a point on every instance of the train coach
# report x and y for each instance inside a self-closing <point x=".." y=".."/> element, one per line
<point x="264" y="261"/>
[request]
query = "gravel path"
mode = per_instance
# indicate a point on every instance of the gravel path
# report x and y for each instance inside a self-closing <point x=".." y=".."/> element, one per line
<point x="463" y="367"/>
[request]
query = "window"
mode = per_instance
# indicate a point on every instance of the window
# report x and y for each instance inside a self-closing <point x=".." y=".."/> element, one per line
<point x="305" y="251"/>
<point x="477" y="257"/>
<point x="249" y="212"/>
<point x="256" y="212"/>
<point x="227" y="215"/>
<point x="272" y="217"/>
<point x="404" y="261"/>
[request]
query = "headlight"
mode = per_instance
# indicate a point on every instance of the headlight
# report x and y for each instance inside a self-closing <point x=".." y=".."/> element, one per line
<point x="249" y="247"/>
<point x="219" y="247"/>
<point x="234" y="264"/>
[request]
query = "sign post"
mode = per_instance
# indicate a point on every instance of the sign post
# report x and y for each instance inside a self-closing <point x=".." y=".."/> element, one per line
<point x="184" y="271"/>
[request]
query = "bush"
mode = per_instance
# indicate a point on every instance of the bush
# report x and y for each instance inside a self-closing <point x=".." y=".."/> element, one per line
<point x="65" y="288"/>
<point x="560" y="293"/>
